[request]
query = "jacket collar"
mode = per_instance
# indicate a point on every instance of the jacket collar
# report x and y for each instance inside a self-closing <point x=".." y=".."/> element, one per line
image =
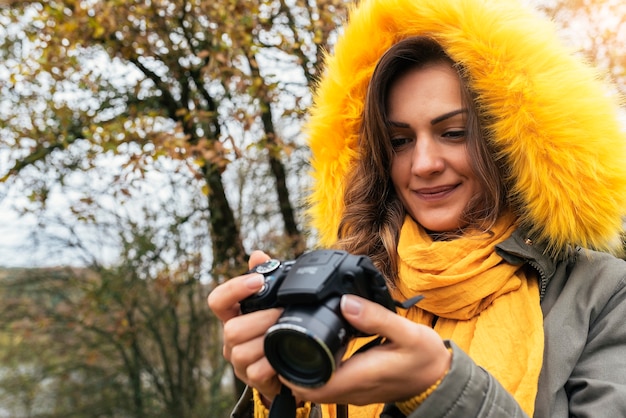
<point x="519" y="249"/>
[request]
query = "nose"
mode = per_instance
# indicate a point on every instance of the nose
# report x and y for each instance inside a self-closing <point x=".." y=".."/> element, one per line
<point x="427" y="158"/>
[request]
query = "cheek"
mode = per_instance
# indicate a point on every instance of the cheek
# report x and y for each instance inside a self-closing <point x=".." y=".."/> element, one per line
<point x="460" y="161"/>
<point x="400" y="170"/>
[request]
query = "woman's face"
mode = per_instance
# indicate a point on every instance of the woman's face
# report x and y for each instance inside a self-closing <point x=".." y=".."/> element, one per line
<point x="430" y="169"/>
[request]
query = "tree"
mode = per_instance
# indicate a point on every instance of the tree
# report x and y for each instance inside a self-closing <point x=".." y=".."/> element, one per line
<point x="134" y="339"/>
<point x="597" y="28"/>
<point x="97" y="97"/>
<point x="200" y="81"/>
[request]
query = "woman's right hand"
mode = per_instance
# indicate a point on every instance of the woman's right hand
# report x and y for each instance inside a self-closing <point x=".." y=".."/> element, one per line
<point x="244" y="334"/>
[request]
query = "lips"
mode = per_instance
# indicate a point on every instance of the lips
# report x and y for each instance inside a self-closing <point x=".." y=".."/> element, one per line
<point x="435" y="193"/>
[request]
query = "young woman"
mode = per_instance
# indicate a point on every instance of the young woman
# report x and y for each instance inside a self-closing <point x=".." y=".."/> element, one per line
<point x="476" y="159"/>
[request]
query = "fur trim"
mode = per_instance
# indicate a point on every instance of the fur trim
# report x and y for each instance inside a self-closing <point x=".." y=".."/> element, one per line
<point x="554" y="120"/>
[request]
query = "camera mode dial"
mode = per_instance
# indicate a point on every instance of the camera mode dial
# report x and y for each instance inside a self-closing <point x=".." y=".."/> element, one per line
<point x="273" y="271"/>
<point x="267" y="267"/>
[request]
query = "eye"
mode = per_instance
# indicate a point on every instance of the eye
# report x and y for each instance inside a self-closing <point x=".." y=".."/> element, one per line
<point x="455" y="135"/>
<point x="400" y="142"/>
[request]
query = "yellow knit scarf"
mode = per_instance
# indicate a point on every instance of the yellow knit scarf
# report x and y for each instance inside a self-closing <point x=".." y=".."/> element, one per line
<point x="486" y="306"/>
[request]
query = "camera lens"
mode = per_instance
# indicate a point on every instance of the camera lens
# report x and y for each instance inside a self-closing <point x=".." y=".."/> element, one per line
<point x="306" y="343"/>
<point x="302" y="353"/>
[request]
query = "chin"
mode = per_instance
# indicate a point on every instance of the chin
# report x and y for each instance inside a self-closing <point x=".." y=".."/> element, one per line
<point x="440" y="226"/>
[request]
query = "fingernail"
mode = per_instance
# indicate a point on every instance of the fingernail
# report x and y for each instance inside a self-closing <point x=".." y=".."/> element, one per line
<point x="255" y="282"/>
<point x="351" y="305"/>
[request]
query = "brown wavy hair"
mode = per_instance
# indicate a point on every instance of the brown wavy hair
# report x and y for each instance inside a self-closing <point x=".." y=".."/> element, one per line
<point x="373" y="214"/>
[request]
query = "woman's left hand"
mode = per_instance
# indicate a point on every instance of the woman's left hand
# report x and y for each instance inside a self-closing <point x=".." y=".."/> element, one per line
<point x="413" y="358"/>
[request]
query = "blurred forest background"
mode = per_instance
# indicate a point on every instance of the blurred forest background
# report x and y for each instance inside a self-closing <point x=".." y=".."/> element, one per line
<point x="146" y="146"/>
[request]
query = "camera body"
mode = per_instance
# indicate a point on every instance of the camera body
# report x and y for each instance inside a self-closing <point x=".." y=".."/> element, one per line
<point x="308" y="340"/>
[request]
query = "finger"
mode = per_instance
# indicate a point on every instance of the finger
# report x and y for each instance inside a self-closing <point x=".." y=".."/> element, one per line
<point x="372" y="318"/>
<point x="262" y="376"/>
<point x="257" y="257"/>
<point x="252" y="367"/>
<point x="244" y="354"/>
<point x="224" y="299"/>
<point x="244" y="328"/>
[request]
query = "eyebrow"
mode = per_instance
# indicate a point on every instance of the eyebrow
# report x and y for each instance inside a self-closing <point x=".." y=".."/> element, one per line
<point x="447" y="116"/>
<point x="435" y="121"/>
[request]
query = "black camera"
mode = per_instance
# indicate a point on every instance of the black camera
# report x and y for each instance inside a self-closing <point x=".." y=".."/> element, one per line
<point x="308" y="340"/>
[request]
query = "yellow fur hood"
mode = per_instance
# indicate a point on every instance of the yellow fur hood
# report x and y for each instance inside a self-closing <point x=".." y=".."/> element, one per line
<point x="553" y="119"/>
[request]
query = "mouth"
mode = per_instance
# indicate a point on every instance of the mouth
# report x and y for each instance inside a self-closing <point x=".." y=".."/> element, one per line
<point x="436" y="193"/>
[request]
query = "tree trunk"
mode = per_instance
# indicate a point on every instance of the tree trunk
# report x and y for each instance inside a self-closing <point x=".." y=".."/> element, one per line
<point x="228" y="252"/>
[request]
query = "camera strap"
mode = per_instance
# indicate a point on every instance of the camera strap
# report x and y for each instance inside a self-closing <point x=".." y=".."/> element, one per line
<point x="284" y="404"/>
<point x="409" y="302"/>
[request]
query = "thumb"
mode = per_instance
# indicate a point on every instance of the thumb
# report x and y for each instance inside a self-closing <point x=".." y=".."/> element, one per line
<point x="367" y="316"/>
